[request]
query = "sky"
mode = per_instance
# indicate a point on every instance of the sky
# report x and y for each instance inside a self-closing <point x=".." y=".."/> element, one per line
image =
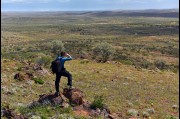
<point x="86" y="5"/>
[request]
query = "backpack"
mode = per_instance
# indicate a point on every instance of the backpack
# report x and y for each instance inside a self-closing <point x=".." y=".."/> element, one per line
<point x="56" y="66"/>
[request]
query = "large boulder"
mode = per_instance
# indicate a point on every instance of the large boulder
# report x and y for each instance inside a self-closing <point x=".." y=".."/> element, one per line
<point x="52" y="98"/>
<point x="75" y="96"/>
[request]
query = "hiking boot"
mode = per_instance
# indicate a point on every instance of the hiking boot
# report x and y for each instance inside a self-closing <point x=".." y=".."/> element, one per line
<point x="57" y="94"/>
<point x="71" y="87"/>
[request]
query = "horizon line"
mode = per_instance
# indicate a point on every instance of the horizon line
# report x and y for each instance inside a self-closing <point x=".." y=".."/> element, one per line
<point x="87" y="10"/>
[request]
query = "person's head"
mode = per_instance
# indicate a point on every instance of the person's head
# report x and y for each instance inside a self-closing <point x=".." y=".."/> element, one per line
<point x="63" y="54"/>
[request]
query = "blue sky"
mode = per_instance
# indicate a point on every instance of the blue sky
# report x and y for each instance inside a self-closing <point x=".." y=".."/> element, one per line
<point x="85" y="5"/>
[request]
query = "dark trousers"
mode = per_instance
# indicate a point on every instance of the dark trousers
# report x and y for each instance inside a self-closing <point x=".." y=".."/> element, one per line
<point x="58" y="77"/>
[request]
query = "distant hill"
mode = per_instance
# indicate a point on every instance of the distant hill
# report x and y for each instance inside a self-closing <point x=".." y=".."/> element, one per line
<point x="174" y="13"/>
<point x="171" y="13"/>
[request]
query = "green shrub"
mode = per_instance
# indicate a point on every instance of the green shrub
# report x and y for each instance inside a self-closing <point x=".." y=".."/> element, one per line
<point x="103" y="51"/>
<point x="120" y="55"/>
<point x="160" y="64"/>
<point x="44" y="60"/>
<point x="44" y="117"/>
<point x="57" y="46"/>
<point x="38" y="80"/>
<point x="145" y="64"/>
<point x="98" y="102"/>
<point x="127" y="62"/>
<point x="46" y="46"/>
<point x="171" y="117"/>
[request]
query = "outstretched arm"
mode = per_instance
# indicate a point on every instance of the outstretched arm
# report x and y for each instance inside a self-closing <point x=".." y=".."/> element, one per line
<point x="69" y="56"/>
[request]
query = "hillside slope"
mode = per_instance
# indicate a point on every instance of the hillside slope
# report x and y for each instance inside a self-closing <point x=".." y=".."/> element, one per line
<point x="123" y="87"/>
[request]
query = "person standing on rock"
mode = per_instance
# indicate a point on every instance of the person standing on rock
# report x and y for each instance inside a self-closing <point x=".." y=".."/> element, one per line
<point x="63" y="58"/>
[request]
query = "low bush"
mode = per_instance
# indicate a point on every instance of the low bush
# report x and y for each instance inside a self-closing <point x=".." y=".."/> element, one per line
<point x="103" y="51"/>
<point x="127" y="62"/>
<point x="98" y="102"/>
<point x="160" y="64"/>
<point x="38" y="80"/>
<point x="57" y="46"/>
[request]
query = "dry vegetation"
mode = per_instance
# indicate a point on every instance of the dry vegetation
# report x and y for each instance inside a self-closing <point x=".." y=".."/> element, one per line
<point x="141" y="73"/>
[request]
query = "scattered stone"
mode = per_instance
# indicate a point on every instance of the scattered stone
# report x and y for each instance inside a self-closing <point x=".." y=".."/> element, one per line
<point x="9" y="93"/>
<point x="127" y="78"/>
<point x="23" y="76"/>
<point x="12" y="84"/>
<point x="145" y="114"/>
<point x="10" y="114"/>
<point x="65" y="105"/>
<point x="150" y="111"/>
<point x="130" y="104"/>
<point x="126" y="83"/>
<point x="80" y="110"/>
<point x="82" y="113"/>
<point x="104" y="113"/>
<point x="98" y="110"/>
<point x="175" y="107"/>
<point x="43" y="72"/>
<point x="20" y="104"/>
<point x="113" y="116"/>
<point x="93" y="113"/>
<point x="30" y="82"/>
<point x="14" y="90"/>
<point x="106" y="108"/>
<point x="86" y="105"/>
<point x="5" y="89"/>
<point x="133" y="112"/>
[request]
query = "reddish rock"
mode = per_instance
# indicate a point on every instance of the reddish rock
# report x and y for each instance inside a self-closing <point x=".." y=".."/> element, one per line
<point x="82" y="113"/>
<point x="75" y="96"/>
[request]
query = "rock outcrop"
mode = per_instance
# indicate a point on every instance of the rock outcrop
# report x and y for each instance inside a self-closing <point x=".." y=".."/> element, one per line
<point x="51" y="99"/>
<point x="75" y="96"/>
<point x="70" y="97"/>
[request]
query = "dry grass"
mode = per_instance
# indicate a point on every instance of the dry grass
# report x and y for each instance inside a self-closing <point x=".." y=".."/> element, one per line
<point x="119" y="84"/>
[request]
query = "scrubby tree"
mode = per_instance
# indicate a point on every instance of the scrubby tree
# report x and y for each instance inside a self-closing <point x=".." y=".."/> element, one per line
<point x="45" y="60"/>
<point x="57" y="46"/>
<point x="103" y="51"/>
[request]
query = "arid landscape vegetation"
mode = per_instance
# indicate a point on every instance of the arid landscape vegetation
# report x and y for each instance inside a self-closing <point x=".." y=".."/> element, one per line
<point x="125" y="60"/>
